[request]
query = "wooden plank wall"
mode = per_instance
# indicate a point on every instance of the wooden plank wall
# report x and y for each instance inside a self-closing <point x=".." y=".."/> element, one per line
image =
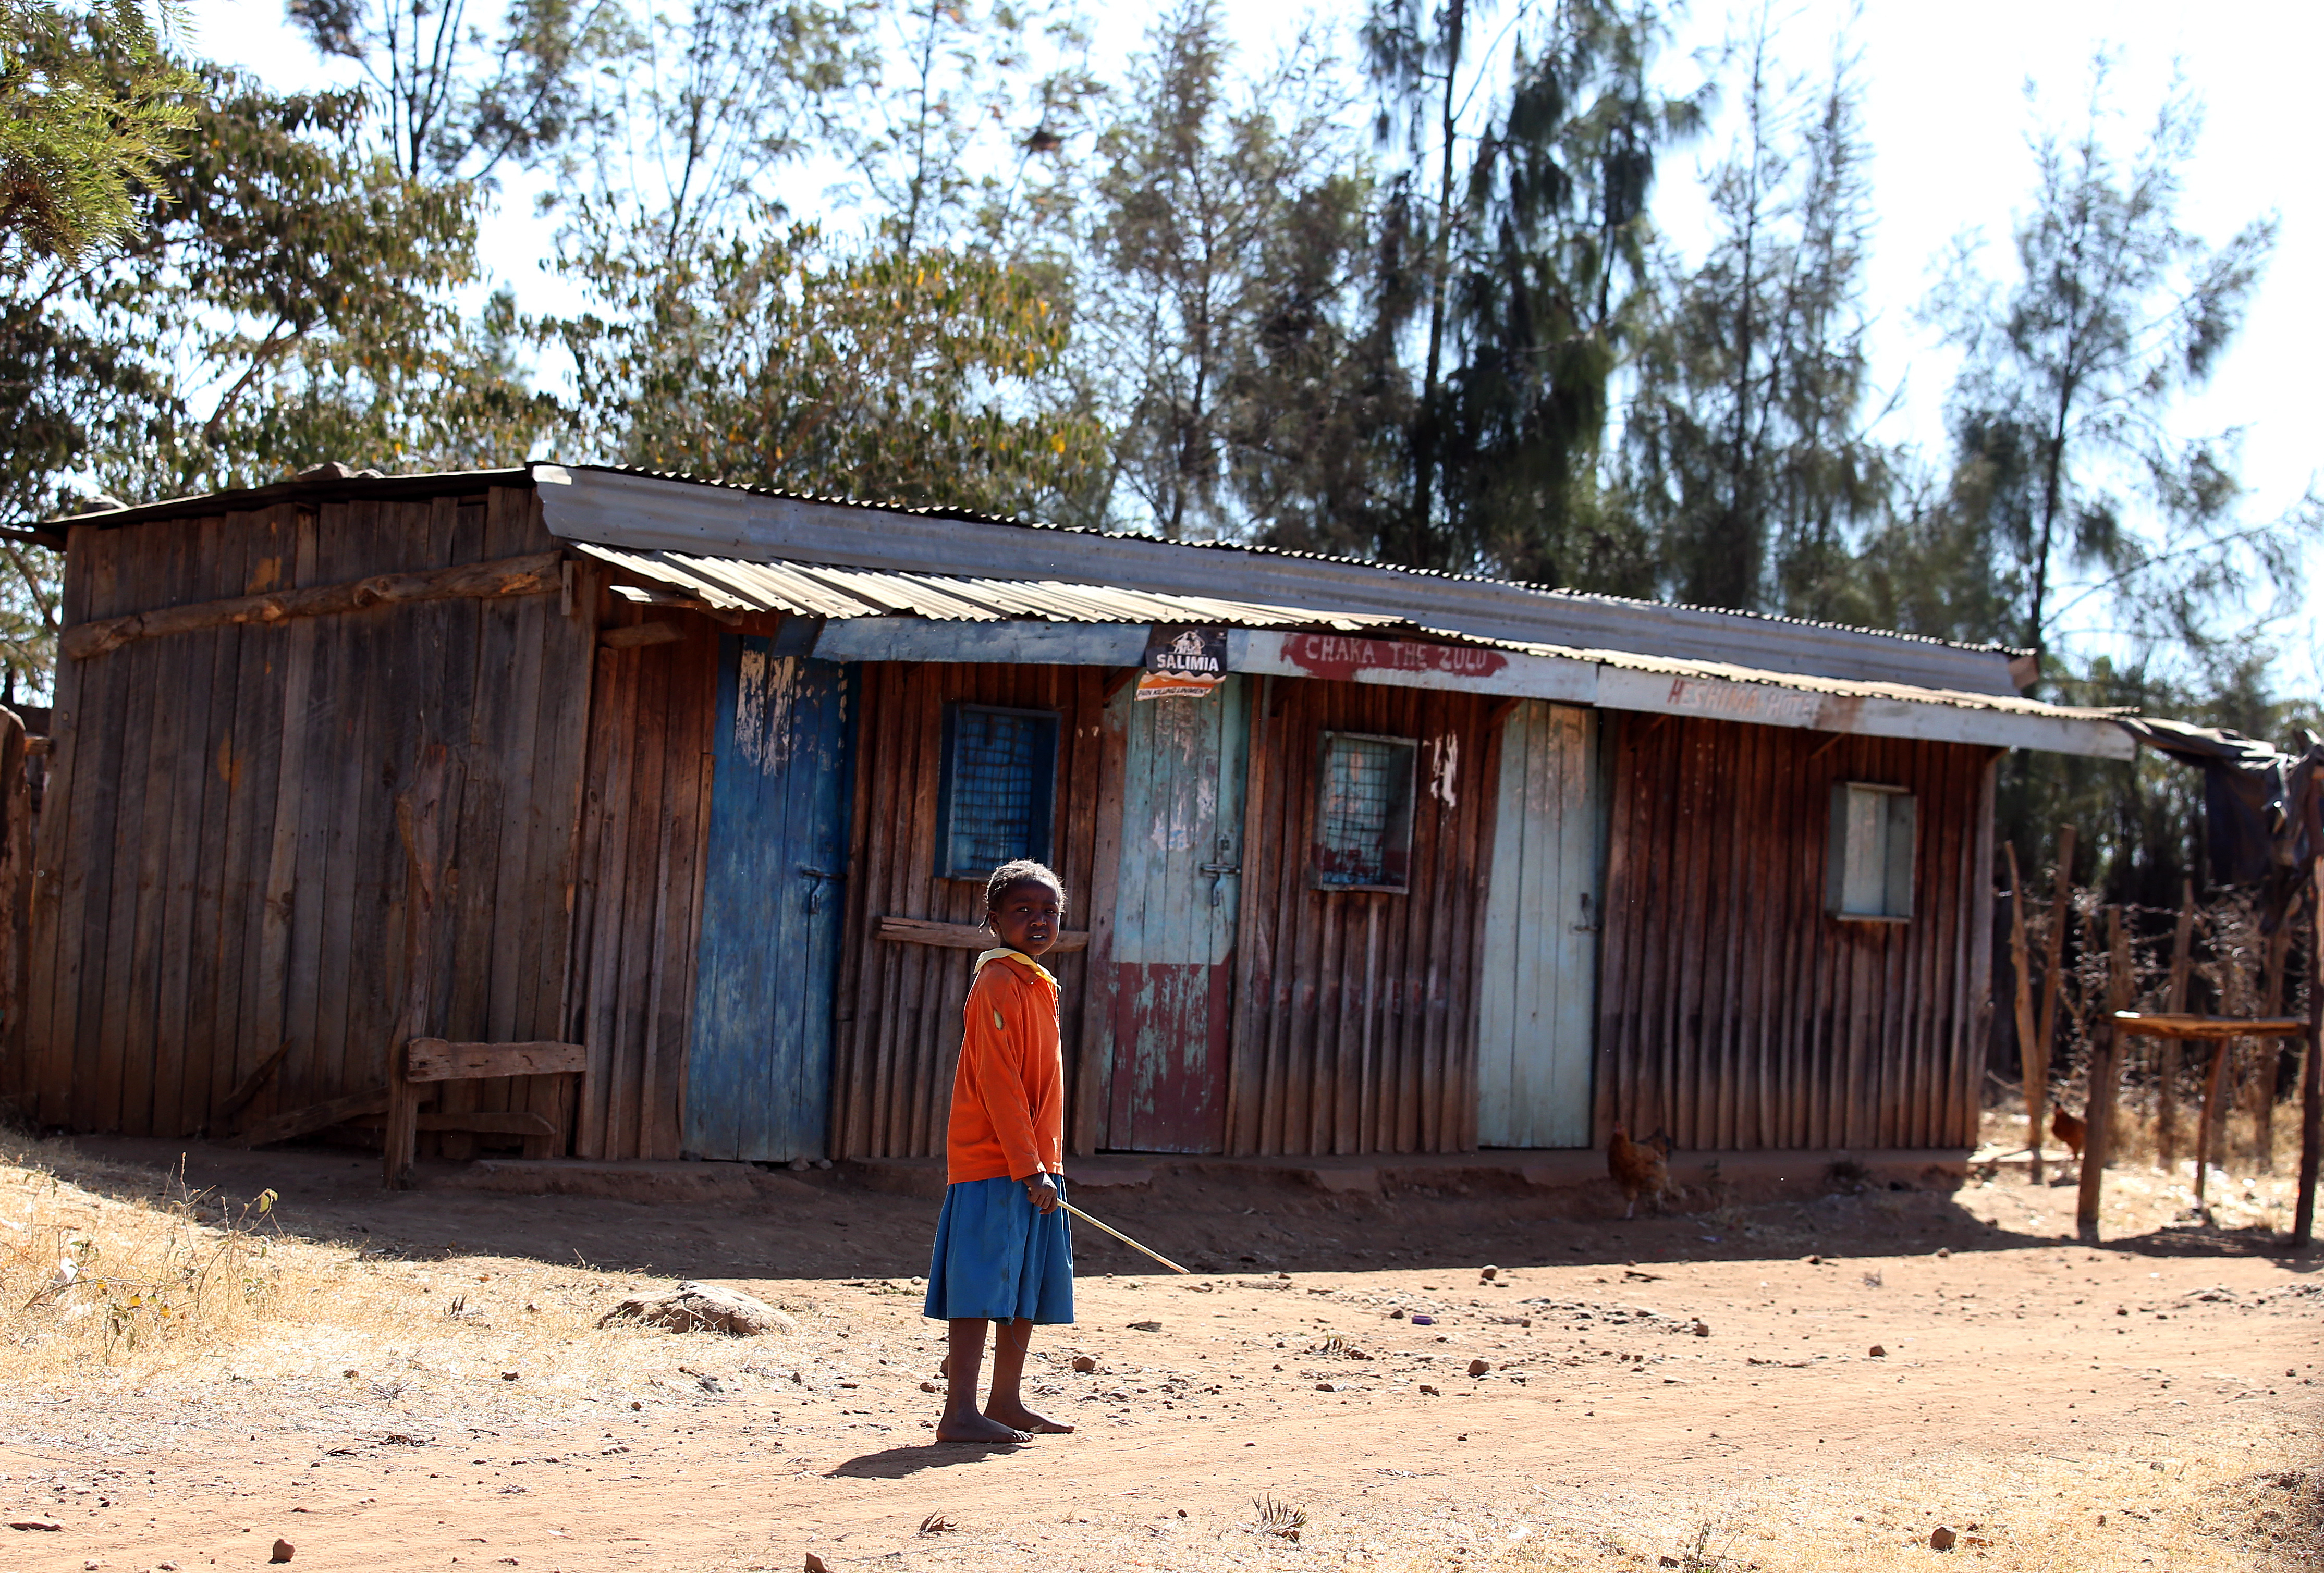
<point x="1357" y="1031"/>
<point x="1733" y="1011"/>
<point x="218" y="871"/>
<point x="898" y="1005"/>
<point x="645" y="816"/>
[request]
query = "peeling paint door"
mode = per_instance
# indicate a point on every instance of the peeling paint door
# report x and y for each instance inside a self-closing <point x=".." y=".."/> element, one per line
<point x="758" y="1069"/>
<point x="1180" y="889"/>
<point x="1535" y="1017"/>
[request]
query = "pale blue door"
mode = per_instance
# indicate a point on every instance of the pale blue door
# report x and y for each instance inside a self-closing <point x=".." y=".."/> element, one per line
<point x="759" y="1072"/>
<point x="1539" y="997"/>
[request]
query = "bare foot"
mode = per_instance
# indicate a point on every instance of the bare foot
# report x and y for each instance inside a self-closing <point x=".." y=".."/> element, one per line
<point x="1023" y="1419"/>
<point x="977" y="1428"/>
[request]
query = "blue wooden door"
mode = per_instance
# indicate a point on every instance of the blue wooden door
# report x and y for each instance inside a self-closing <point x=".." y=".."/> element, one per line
<point x="1174" y="920"/>
<point x="1539" y="994"/>
<point x="758" y="1069"/>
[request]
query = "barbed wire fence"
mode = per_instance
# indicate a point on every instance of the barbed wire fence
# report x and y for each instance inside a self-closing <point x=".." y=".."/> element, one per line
<point x="2232" y="968"/>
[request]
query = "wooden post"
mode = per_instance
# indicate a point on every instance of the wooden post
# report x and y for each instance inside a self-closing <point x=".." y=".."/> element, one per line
<point x="2211" y="1128"/>
<point x="2053" y="950"/>
<point x="2312" y="1081"/>
<point x="2271" y="1056"/>
<point x="419" y="816"/>
<point x="2106" y="1066"/>
<point x="2028" y="1058"/>
<point x="2166" y="1081"/>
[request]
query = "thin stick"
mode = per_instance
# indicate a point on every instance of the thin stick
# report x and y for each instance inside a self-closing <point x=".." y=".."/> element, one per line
<point x="2029" y="1057"/>
<point x="1124" y="1238"/>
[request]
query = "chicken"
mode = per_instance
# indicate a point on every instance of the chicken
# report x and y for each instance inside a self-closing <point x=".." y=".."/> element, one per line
<point x="2067" y="1129"/>
<point x="1639" y="1168"/>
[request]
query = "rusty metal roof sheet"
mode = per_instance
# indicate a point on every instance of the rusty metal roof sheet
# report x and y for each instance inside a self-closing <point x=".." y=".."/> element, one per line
<point x="863" y="598"/>
<point x="817" y="590"/>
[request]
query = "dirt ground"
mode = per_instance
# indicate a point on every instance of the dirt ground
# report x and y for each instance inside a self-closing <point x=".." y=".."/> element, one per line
<point x="1813" y="1384"/>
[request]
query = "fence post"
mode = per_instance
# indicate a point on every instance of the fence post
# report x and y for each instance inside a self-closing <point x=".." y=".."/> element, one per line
<point x="2311" y="1096"/>
<point x="2054" y="951"/>
<point x="2106" y="1070"/>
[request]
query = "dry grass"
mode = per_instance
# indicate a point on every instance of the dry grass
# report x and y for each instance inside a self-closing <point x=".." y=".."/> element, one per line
<point x="115" y="1281"/>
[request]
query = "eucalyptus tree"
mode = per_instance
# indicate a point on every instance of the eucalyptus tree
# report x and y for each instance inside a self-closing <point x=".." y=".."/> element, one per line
<point x="2066" y="457"/>
<point x="1219" y="317"/>
<point x="1549" y="290"/>
<point x="458" y="96"/>
<point x="1746" y="444"/>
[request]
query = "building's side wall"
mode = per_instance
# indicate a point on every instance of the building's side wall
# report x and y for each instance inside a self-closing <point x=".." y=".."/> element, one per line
<point x="637" y="905"/>
<point x="1357" y="1027"/>
<point x="219" y="873"/>
<point x="1734" y="1012"/>
<point x="898" y="1031"/>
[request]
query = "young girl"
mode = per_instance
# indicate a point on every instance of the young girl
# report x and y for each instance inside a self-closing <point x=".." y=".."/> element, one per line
<point x="1003" y="1254"/>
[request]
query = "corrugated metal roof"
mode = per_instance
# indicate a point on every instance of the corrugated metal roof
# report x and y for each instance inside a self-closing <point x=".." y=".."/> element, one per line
<point x="815" y="590"/>
<point x="1322" y="586"/>
<point x="643" y="512"/>
<point x="968" y="515"/>
<point x="861" y="598"/>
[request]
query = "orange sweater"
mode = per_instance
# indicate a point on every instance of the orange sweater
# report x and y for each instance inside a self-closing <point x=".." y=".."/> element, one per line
<point x="1007" y="1096"/>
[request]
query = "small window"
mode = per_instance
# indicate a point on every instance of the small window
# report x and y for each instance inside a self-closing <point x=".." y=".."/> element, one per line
<point x="1871" y="875"/>
<point x="1363" y="812"/>
<point x="998" y="789"/>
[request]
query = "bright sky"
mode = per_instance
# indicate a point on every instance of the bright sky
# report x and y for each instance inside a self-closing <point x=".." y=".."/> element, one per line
<point x="1947" y="121"/>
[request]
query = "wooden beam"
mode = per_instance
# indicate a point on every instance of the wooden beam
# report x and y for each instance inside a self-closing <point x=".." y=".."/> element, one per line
<point x="536" y="574"/>
<point x="2106" y="1076"/>
<point x="239" y="1099"/>
<point x="2021" y="961"/>
<point x="2164" y="1025"/>
<point x="315" y="1116"/>
<point x="476" y="1122"/>
<point x="435" y="1060"/>
<point x="2174" y="1003"/>
<point x="2312" y="1079"/>
<point x="639" y="634"/>
<point x="962" y="936"/>
<point x="2045" y="1025"/>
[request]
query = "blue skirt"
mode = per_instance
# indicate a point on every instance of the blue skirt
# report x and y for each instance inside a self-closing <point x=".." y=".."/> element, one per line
<point x="997" y="1259"/>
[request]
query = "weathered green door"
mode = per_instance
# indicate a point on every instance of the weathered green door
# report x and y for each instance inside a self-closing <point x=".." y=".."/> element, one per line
<point x="1174" y="920"/>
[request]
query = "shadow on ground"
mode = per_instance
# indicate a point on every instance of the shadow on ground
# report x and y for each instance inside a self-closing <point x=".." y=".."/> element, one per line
<point x="830" y="1225"/>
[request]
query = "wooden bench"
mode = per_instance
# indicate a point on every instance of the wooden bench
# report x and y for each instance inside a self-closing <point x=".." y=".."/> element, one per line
<point x="424" y="1060"/>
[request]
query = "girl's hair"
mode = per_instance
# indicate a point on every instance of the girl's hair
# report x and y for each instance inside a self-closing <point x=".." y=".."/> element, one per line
<point x="1022" y="871"/>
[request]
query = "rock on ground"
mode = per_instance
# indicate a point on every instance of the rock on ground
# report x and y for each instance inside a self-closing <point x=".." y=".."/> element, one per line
<point x="703" y="1306"/>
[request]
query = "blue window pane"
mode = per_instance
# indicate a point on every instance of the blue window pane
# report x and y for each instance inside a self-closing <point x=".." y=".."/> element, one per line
<point x="999" y="784"/>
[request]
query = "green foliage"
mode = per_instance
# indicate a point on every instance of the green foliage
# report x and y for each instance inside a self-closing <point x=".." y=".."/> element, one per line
<point x="1519" y="280"/>
<point x="960" y="128"/>
<point x="90" y="108"/>
<point x="1745" y="444"/>
<point x="2071" y="474"/>
<point x="453" y="101"/>
<point x="281" y="297"/>
<point x="1216" y="318"/>
<point x="913" y="379"/>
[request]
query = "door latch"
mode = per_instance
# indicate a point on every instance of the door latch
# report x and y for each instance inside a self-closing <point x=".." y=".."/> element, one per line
<point x="818" y="878"/>
<point x="1221" y="869"/>
<point x="1589" y="924"/>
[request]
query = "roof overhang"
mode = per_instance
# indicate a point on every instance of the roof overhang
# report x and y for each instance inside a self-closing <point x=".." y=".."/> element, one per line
<point x="650" y="514"/>
<point x="1605" y="679"/>
<point x="858" y="615"/>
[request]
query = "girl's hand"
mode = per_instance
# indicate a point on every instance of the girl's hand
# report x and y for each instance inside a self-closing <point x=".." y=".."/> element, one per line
<point x="1042" y="1192"/>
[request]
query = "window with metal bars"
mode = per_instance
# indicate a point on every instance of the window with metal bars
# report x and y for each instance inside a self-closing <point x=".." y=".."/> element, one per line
<point x="1363" y="812"/>
<point x="997" y="794"/>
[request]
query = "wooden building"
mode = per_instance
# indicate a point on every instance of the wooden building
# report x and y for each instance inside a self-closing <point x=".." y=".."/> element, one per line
<point x="1440" y="863"/>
